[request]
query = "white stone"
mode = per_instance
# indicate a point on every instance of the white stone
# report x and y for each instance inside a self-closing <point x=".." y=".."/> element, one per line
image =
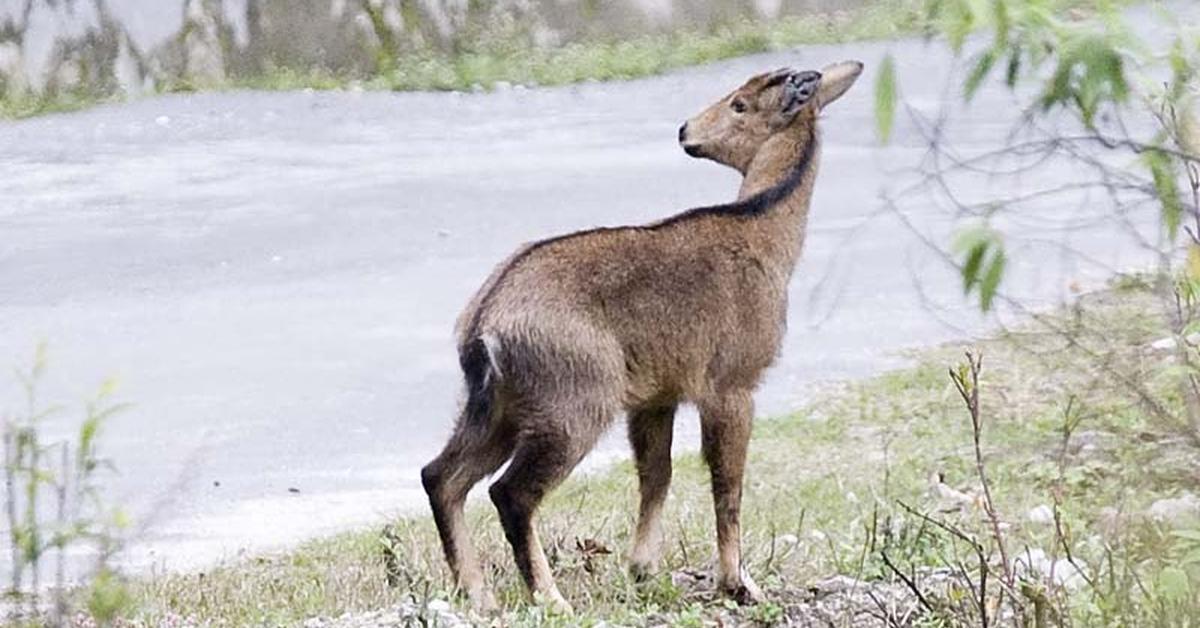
<point x="1042" y="515"/>
<point x="1175" y="509"/>
<point x="1163" y="344"/>
<point x="1035" y="564"/>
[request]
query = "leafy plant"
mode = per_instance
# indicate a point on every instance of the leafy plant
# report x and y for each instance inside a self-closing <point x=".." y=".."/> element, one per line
<point x="35" y="472"/>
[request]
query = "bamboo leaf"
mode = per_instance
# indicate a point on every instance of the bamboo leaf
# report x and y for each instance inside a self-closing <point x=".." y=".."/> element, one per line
<point x="885" y="98"/>
<point x="991" y="280"/>
<point x="1013" y="71"/>
<point x="961" y="23"/>
<point x="983" y="66"/>
<point x="1002" y="19"/>
<point x="1166" y="187"/>
<point x="970" y="269"/>
<point x="983" y="265"/>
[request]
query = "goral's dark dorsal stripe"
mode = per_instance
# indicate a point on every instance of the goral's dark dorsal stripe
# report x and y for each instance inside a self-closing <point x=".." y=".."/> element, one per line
<point x="750" y="207"/>
<point x="757" y="204"/>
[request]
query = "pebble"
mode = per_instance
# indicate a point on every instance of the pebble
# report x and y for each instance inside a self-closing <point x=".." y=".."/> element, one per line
<point x="1043" y="515"/>
<point x="434" y="613"/>
<point x="1175" y="510"/>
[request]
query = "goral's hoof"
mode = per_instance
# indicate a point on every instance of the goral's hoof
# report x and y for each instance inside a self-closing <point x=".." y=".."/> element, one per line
<point x="553" y="600"/>
<point x="745" y="592"/>
<point x="483" y="602"/>
<point x="642" y="572"/>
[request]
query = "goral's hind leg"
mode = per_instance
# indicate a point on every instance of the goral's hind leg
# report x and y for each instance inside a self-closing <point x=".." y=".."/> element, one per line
<point x="650" y="433"/>
<point x="725" y="422"/>
<point x="544" y="456"/>
<point x="466" y="459"/>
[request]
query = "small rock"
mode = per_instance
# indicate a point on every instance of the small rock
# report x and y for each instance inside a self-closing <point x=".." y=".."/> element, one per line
<point x="1162" y="344"/>
<point x="1041" y="515"/>
<point x="1165" y="344"/>
<point x="787" y="539"/>
<point x="439" y="606"/>
<point x="1175" y="509"/>
<point x="443" y="233"/>
<point x="1089" y="442"/>
<point x="163" y="121"/>
<point x="1035" y="564"/>
<point x="838" y="584"/>
<point x="1068" y="576"/>
<point x="502" y="86"/>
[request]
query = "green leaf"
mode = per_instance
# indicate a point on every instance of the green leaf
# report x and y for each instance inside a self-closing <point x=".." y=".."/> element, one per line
<point x="1003" y="22"/>
<point x="1089" y="73"/>
<point x="107" y="388"/>
<point x="1013" y="71"/>
<point x="983" y="65"/>
<point x="991" y="280"/>
<point x="983" y="264"/>
<point x="961" y="21"/>
<point x="108" y="597"/>
<point x="87" y="434"/>
<point x="1173" y="584"/>
<point x="885" y="98"/>
<point x="1166" y="187"/>
<point x="970" y="269"/>
<point x="933" y="9"/>
<point x="1191" y="535"/>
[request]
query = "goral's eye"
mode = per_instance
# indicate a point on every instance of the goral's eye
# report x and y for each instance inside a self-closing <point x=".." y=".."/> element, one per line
<point x="738" y="105"/>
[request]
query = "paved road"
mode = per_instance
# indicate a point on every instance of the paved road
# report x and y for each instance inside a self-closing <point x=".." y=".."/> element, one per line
<point x="274" y="276"/>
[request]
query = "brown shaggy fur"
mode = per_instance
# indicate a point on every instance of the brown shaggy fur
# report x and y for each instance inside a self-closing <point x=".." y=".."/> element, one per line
<point x="570" y="332"/>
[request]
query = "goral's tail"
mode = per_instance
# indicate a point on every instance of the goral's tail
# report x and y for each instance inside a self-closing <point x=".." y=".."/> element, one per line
<point x="478" y="361"/>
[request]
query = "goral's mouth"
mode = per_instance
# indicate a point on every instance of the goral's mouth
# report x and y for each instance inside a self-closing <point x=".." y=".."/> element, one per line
<point x="693" y="150"/>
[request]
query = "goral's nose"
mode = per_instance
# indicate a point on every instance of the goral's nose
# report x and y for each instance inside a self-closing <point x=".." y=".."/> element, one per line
<point x="683" y="133"/>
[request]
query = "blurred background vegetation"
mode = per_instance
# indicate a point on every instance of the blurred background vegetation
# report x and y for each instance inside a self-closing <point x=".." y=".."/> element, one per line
<point x="62" y="54"/>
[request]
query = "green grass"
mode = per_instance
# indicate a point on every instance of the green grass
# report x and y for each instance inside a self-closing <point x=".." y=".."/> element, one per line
<point x="822" y="498"/>
<point x="29" y="105"/>
<point x="501" y="58"/>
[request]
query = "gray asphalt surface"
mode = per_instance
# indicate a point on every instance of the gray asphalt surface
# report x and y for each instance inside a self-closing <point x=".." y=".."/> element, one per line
<point x="274" y="276"/>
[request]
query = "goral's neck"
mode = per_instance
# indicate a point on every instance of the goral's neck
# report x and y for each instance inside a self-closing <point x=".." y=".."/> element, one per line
<point x="784" y="171"/>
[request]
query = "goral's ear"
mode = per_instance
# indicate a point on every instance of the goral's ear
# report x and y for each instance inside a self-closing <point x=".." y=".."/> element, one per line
<point x="836" y="79"/>
<point x="798" y="89"/>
